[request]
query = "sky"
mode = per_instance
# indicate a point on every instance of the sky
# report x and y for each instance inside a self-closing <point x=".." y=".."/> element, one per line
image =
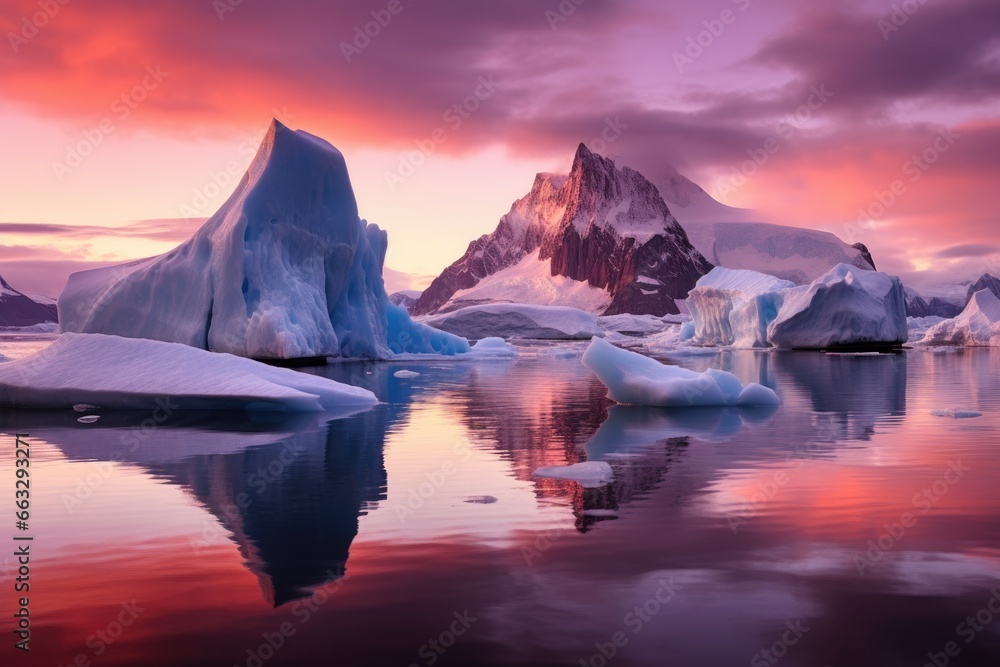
<point x="126" y="124"/>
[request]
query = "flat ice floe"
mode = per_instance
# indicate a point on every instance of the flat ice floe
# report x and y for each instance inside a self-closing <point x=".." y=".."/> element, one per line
<point x="633" y="379"/>
<point x="956" y="413"/>
<point x="126" y="373"/>
<point x="590" y="474"/>
<point x="518" y="320"/>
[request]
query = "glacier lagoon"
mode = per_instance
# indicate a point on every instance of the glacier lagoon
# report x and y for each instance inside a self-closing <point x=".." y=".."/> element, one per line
<point x="847" y="526"/>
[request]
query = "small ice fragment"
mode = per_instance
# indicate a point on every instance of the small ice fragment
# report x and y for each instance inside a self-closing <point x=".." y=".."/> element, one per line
<point x="957" y="414"/>
<point x="481" y="500"/>
<point x="590" y="474"/>
<point x="88" y="419"/>
<point x="406" y="374"/>
<point x="84" y="407"/>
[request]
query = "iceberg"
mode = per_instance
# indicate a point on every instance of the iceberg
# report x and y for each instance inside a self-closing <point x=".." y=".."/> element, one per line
<point x="137" y="374"/>
<point x="633" y="379"/>
<point x="518" y="320"/>
<point x="285" y="269"/>
<point x="734" y="307"/>
<point x="845" y="307"/>
<point x="590" y="474"/>
<point x="977" y="326"/>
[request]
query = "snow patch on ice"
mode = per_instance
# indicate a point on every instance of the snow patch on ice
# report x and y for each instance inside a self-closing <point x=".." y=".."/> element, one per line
<point x="131" y="373"/>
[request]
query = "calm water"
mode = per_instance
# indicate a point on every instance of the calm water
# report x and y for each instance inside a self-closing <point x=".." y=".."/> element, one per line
<point x="849" y="527"/>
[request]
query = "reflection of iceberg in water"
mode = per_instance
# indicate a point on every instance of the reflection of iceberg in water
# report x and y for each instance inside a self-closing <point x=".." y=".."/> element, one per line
<point x="849" y="394"/>
<point x="289" y="491"/>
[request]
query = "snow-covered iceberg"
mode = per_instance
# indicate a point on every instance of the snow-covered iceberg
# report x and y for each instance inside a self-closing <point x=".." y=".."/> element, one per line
<point x="518" y="320"/>
<point x="131" y="374"/>
<point x="734" y="307"/>
<point x="284" y="269"/>
<point x="844" y="307"/>
<point x="977" y="325"/>
<point x="634" y="379"/>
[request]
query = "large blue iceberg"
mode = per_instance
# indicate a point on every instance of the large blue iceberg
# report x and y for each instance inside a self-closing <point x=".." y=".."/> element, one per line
<point x="285" y="269"/>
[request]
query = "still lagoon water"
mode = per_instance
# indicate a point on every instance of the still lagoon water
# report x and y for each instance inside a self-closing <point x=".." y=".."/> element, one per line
<point x="848" y="527"/>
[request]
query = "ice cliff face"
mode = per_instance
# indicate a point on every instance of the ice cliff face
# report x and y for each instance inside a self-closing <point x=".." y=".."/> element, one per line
<point x="284" y="269"/>
<point x="602" y="225"/>
<point x="19" y="310"/>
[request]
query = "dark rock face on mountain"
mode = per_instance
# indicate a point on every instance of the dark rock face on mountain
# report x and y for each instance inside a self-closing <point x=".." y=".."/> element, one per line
<point x="18" y="310"/>
<point x="917" y="306"/>
<point x="865" y="254"/>
<point x="602" y="225"/>
<point x="986" y="281"/>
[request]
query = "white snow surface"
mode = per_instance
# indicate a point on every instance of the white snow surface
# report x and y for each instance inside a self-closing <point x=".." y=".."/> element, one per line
<point x="128" y="373"/>
<point x="633" y="379"/>
<point x="976" y="326"/>
<point x="734" y="307"/>
<point x="791" y="253"/>
<point x="493" y="347"/>
<point x="517" y="320"/>
<point x="590" y="474"/>
<point x="845" y="306"/>
<point x="531" y="281"/>
<point x="284" y="269"/>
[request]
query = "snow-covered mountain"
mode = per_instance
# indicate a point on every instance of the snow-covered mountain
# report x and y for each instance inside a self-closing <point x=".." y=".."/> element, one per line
<point x="947" y="300"/>
<point x="600" y="237"/>
<point x="20" y="310"/>
<point x="285" y="269"/>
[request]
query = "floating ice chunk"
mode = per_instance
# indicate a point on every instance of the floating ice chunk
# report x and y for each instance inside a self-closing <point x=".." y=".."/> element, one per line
<point x="590" y="474"/>
<point x="84" y="407"/>
<point x="735" y="307"/>
<point x="481" y="500"/>
<point x="88" y="419"/>
<point x="518" y="320"/>
<point x="133" y="373"/>
<point x="956" y="413"/>
<point x="845" y="306"/>
<point x="406" y="374"/>
<point x="493" y="347"/>
<point x="634" y="379"/>
<point x="977" y="325"/>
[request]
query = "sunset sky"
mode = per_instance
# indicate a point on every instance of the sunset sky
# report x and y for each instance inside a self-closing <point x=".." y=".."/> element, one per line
<point x="128" y="123"/>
